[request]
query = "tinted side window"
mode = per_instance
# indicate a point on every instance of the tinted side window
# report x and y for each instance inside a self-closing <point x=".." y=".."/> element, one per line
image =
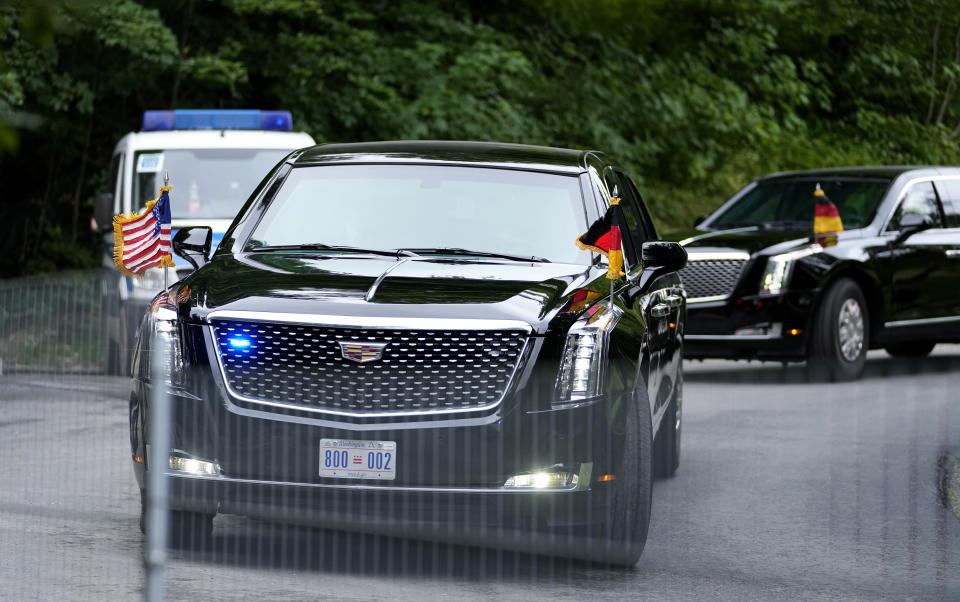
<point x="950" y="198"/>
<point x="637" y="233"/>
<point x="650" y="232"/>
<point x="630" y="248"/>
<point x="920" y="199"/>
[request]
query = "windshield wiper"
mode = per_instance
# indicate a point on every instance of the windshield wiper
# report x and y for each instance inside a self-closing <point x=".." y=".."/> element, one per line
<point x="787" y="224"/>
<point x="319" y="246"/>
<point x="459" y="251"/>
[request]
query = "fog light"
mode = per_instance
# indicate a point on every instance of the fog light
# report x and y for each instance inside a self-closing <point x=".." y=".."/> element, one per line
<point x="192" y="466"/>
<point x="542" y="480"/>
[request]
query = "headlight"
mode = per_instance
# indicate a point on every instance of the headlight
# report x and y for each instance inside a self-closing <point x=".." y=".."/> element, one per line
<point x="777" y="273"/>
<point x="164" y="335"/>
<point x="581" y="368"/>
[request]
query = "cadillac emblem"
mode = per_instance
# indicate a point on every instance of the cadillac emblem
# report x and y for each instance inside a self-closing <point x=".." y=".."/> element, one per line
<point x="361" y="351"/>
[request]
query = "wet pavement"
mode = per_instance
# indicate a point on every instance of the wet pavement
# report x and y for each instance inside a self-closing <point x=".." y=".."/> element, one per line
<point x="786" y="490"/>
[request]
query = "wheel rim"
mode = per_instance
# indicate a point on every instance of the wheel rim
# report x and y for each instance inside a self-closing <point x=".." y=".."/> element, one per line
<point x="850" y="331"/>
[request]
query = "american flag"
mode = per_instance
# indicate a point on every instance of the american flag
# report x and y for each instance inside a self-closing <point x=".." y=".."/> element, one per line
<point x="142" y="241"/>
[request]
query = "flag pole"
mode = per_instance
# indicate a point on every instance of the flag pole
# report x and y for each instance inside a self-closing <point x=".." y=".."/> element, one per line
<point x="166" y="182"/>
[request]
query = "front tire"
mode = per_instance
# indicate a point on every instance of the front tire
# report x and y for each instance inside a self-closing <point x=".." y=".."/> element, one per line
<point x="621" y="534"/>
<point x="185" y="529"/>
<point x="667" y="443"/>
<point x="840" y="334"/>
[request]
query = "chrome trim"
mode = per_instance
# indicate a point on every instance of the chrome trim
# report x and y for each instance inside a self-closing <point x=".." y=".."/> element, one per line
<point x="660" y="310"/>
<point x="674" y="301"/>
<point x="921" y="321"/>
<point x="376" y="283"/>
<point x="714" y="255"/>
<point x="903" y="193"/>
<point x="707" y="299"/>
<point x="405" y="488"/>
<point x="521" y="358"/>
<point x="397" y="323"/>
<point x="733" y="337"/>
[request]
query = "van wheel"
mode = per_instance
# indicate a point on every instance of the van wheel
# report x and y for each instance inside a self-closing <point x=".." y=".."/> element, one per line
<point x="840" y="335"/>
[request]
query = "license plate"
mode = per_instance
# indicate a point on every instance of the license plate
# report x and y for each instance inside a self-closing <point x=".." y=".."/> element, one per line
<point x="347" y="459"/>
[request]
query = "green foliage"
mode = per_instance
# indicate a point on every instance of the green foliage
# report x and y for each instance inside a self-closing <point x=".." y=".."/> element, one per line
<point x="695" y="97"/>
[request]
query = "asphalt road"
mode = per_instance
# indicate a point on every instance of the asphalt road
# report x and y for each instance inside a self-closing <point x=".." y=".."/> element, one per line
<point x="786" y="490"/>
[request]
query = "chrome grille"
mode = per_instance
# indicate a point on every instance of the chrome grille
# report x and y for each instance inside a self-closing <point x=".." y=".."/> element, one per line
<point x="711" y="277"/>
<point x="420" y="370"/>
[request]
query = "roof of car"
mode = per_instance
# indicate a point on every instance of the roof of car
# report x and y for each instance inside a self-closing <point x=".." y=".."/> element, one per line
<point x="496" y="154"/>
<point x="887" y="172"/>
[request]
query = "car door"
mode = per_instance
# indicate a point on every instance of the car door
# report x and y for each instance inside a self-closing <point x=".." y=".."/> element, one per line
<point x="661" y="305"/>
<point x="920" y="267"/>
<point x="948" y="190"/>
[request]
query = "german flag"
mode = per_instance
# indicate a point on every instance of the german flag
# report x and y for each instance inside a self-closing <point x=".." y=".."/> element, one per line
<point x="826" y="218"/>
<point x="604" y="237"/>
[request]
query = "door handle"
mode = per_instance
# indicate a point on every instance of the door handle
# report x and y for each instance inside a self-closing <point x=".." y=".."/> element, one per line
<point x="660" y="310"/>
<point x="674" y="300"/>
<point x="953" y="253"/>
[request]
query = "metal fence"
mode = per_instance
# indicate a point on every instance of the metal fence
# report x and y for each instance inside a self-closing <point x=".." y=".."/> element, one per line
<point x="53" y="323"/>
<point x="786" y="489"/>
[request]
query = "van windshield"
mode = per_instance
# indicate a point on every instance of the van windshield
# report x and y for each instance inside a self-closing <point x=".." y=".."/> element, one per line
<point x="207" y="183"/>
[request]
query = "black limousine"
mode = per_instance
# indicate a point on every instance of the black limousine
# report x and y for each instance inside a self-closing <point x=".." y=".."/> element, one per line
<point x="403" y="338"/>
<point x="761" y="285"/>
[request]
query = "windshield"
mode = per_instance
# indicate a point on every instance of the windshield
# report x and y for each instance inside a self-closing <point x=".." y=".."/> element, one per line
<point x="207" y="183"/>
<point x="512" y="212"/>
<point x="790" y="203"/>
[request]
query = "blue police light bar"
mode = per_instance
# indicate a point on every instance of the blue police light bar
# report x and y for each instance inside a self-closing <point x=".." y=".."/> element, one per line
<point x="217" y="119"/>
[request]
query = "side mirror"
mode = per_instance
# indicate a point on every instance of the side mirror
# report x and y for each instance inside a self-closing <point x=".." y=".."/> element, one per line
<point x="699" y="220"/>
<point x="103" y="213"/>
<point x="193" y="244"/>
<point x="910" y="224"/>
<point x="663" y="256"/>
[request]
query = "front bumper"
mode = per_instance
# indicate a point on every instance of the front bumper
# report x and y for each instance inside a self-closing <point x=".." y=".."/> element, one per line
<point x="450" y="473"/>
<point x="544" y="522"/>
<point x="753" y="327"/>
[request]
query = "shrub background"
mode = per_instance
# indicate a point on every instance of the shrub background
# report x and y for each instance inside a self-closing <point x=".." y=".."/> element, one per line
<point x="695" y="97"/>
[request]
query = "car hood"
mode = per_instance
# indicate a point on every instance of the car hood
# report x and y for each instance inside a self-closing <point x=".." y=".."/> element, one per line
<point x="416" y="287"/>
<point x="750" y="239"/>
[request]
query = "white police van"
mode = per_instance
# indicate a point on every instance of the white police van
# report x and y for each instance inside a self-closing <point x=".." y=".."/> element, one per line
<point x="215" y="159"/>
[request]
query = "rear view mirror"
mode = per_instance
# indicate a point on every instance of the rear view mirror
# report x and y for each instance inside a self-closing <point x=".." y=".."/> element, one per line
<point x="193" y="244"/>
<point x="910" y="224"/>
<point x="103" y="213"/>
<point x="665" y="256"/>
